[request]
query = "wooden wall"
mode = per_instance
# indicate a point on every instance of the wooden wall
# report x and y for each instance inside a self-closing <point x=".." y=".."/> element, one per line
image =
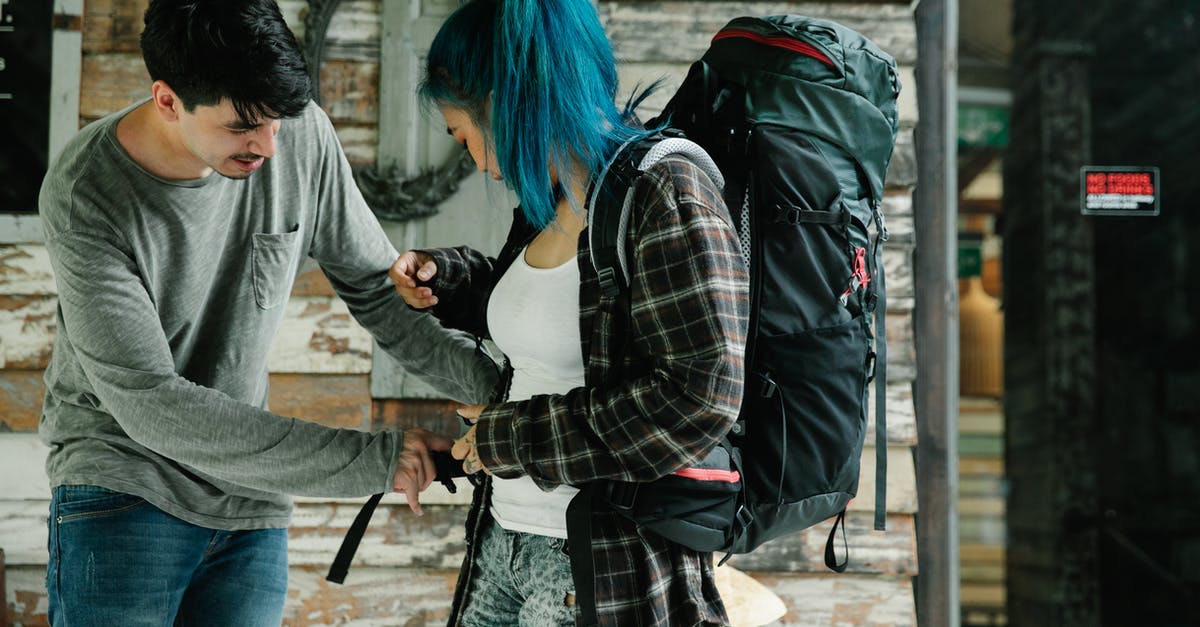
<point x="322" y="362"/>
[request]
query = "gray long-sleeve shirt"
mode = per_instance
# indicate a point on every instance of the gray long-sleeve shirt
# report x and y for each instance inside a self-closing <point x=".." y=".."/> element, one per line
<point x="170" y="293"/>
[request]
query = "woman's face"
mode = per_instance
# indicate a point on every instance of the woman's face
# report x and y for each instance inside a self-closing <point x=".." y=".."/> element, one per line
<point x="466" y="132"/>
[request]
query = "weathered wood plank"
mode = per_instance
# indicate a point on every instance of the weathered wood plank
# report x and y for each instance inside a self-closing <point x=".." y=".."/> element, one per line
<point x="398" y="538"/>
<point x="842" y="600"/>
<point x="25" y="271"/>
<point x="331" y="400"/>
<point x="901" y="481"/>
<point x="897" y="263"/>
<point x="319" y="336"/>
<point x="21" y="395"/>
<point x="901" y="355"/>
<point x="359" y="142"/>
<point x="27" y="329"/>
<point x="23" y="468"/>
<point x="350" y="91"/>
<point x="436" y="415"/>
<point x="113" y="26"/>
<point x="110" y="82"/>
<point x="901" y="415"/>
<point x="311" y="281"/>
<point x="636" y="28"/>
<point x="890" y="552"/>
<point x="386" y="597"/>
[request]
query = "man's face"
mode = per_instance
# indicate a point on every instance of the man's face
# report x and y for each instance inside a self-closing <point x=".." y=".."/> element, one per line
<point x="222" y="141"/>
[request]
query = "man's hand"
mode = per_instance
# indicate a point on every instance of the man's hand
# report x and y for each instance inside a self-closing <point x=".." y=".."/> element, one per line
<point x="464" y="447"/>
<point x="411" y="267"/>
<point x="416" y="471"/>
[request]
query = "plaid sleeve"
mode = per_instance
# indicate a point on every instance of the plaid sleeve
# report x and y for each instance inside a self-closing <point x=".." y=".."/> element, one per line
<point x="689" y="295"/>
<point x="462" y="284"/>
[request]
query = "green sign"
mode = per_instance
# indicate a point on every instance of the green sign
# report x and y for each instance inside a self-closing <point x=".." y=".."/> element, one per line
<point x="970" y="255"/>
<point x="982" y="126"/>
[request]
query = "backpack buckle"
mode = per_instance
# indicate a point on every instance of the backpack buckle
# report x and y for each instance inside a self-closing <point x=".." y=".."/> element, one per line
<point x="622" y="494"/>
<point x="744" y="518"/>
<point x="609" y="285"/>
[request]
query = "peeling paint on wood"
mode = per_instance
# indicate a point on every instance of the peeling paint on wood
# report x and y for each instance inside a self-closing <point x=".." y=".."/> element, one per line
<point x="21" y="395"/>
<point x="27" y="329"/>
<point x="25" y="270"/>
<point x="901" y="415"/>
<point x="891" y="552"/>
<point x="843" y="600"/>
<point x="382" y="596"/>
<point x="901" y="480"/>
<point x="350" y="91"/>
<point x="318" y="335"/>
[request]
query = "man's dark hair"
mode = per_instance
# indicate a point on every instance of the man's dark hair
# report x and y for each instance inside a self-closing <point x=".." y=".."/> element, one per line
<point x="242" y="50"/>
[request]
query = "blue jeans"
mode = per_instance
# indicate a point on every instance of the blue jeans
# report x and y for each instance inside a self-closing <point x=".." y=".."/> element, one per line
<point x="520" y="579"/>
<point x="117" y="560"/>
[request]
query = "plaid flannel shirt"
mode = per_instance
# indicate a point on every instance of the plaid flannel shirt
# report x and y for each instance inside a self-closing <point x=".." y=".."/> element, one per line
<point x="689" y="300"/>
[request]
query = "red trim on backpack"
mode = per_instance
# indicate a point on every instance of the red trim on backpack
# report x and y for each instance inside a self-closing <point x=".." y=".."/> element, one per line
<point x="778" y="41"/>
<point x="860" y="278"/>
<point x="709" y="474"/>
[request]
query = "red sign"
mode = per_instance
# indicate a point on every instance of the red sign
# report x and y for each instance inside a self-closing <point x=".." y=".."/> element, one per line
<point x="1126" y="191"/>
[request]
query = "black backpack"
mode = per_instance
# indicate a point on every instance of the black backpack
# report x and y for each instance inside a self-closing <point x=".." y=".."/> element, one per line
<point x="800" y="116"/>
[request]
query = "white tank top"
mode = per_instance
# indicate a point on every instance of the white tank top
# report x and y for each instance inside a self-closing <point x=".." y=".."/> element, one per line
<point x="533" y="316"/>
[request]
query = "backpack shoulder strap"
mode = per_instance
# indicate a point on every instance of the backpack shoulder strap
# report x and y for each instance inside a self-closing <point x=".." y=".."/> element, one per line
<point x="608" y="226"/>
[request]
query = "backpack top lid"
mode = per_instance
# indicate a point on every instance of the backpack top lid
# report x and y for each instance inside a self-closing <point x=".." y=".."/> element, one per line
<point x="816" y="76"/>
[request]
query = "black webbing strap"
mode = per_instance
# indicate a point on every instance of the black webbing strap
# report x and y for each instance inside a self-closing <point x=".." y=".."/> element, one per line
<point x="579" y="543"/>
<point x="447" y="468"/>
<point x="880" y="382"/>
<point x="830" y="554"/>
<point x="341" y="563"/>
<point x="605" y="219"/>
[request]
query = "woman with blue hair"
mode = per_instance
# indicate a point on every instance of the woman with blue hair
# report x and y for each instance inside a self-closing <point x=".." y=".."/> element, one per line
<point x="590" y="392"/>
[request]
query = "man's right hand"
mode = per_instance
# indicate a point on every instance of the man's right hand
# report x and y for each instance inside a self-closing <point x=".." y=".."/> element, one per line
<point x="410" y="268"/>
<point x="416" y="469"/>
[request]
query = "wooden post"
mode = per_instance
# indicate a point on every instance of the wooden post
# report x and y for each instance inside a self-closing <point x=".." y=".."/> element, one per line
<point x="935" y="209"/>
<point x="1050" y="343"/>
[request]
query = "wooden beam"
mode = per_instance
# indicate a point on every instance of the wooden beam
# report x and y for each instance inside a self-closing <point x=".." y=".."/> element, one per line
<point x="936" y="312"/>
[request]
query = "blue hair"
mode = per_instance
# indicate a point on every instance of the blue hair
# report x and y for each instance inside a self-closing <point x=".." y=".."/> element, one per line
<point x="547" y="70"/>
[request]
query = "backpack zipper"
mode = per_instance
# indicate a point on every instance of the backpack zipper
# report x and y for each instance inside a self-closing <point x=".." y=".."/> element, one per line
<point x="789" y="43"/>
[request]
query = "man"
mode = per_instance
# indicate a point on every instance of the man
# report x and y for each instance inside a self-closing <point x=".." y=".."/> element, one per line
<point x="176" y="228"/>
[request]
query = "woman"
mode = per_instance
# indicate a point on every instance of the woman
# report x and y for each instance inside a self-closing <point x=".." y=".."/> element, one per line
<point x="528" y="88"/>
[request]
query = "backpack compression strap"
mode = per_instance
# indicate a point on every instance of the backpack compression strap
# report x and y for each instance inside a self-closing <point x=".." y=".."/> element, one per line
<point x="880" y="378"/>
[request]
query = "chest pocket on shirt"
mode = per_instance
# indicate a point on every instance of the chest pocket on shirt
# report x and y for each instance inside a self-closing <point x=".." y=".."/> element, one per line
<point x="273" y="265"/>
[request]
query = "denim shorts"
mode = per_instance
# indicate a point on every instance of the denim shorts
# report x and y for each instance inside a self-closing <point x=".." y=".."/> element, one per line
<point x="520" y="579"/>
<point x="117" y="560"/>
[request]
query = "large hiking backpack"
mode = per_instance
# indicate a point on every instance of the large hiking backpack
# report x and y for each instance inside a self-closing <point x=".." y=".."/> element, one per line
<point x="800" y="116"/>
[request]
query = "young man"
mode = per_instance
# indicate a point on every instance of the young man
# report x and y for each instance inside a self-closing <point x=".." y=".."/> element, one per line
<point x="176" y="228"/>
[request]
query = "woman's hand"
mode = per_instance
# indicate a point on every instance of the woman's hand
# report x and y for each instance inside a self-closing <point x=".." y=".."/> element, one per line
<point x="464" y="447"/>
<point x="411" y="267"/>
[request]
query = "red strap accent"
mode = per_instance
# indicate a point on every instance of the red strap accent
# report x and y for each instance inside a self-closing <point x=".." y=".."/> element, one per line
<point x="860" y="267"/>
<point x="709" y="474"/>
<point x="779" y="41"/>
